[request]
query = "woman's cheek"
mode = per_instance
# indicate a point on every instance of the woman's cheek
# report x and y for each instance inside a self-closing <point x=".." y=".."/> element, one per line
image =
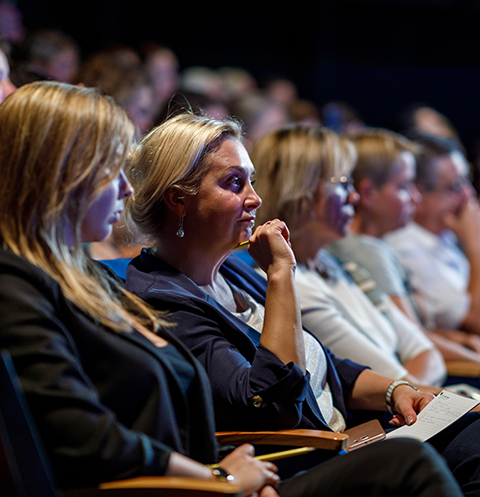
<point x="339" y="213"/>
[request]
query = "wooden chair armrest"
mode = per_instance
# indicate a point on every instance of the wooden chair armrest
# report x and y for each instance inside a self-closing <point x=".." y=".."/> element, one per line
<point x="153" y="486"/>
<point x="310" y="438"/>
<point x="463" y="368"/>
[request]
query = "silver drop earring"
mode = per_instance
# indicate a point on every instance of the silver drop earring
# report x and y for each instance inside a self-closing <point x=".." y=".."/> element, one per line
<point x="180" y="232"/>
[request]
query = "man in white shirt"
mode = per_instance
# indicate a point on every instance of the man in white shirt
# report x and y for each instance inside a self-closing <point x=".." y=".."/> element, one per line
<point x="446" y="280"/>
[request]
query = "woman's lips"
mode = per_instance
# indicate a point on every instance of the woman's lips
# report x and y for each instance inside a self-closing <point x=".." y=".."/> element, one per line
<point x="116" y="217"/>
<point x="250" y="220"/>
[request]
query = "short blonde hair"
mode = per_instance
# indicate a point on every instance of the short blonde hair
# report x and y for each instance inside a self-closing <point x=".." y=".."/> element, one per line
<point x="175" y="154"/>
<point x="291" y="162"/>
<point x="60" y="147"/>
<point x="378" y="154"/>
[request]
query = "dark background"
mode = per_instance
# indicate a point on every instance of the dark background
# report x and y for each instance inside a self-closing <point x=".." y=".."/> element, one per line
<point x="378" y="55"/>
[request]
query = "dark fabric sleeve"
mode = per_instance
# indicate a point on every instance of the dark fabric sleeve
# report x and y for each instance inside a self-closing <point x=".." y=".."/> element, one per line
<point x="84" y="440"/>
<point x="252" y="389"/>
<point x="347" y="373"/>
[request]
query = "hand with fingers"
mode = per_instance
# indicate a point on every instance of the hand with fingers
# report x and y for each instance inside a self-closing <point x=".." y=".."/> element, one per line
<point x="407" y="402"/>
<point x="270" y="246"/>
<point x="252" y="475"/>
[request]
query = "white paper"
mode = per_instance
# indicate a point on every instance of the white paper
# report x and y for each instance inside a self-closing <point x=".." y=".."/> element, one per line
<point x="444" y="409"/>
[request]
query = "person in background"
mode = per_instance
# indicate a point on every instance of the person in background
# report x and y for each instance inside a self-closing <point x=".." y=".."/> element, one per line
<point x="6" y="86"/>
<point x="12" y="30"/>
<point x="117" y="72"/>
<point x="384" y="177"/>
<point x="162" y="67"/>
<point x="53" y="54"/>
<point x="303" y="177"/>
<point x="441" y="248"/>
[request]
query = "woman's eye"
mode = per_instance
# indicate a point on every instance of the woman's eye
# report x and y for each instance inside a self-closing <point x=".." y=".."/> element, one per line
<point x="253" y="181"/>
<point x="236" y="182"/>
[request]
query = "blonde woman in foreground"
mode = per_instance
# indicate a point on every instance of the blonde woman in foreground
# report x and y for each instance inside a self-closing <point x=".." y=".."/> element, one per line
<point x="98" y="367"/>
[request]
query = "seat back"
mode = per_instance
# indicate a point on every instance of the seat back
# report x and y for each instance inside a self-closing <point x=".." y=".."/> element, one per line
<point x="24" y="468"/>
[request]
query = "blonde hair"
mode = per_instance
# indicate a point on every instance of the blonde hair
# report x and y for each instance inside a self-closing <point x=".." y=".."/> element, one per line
<point x="291" y="162"/>
<point x="60" y="147"/>
<point x="175" y="154"/>
<point x="378" y="154"/>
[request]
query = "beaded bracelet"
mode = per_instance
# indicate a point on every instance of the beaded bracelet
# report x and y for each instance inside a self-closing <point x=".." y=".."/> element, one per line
<point x="391" y="388"/>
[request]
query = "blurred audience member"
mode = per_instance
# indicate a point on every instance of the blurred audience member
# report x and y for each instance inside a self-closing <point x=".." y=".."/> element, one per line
<point x="341" y="117"/>
<point x="197" y="103"/>
<point x="6" y="86"/>
<point x="445" y="277"/>
<point x="260" y="115"/>
<point x="237" y="82"/>
<point x="304" y="112"/>
<point x="54" y="54"/>
<point x="161" y="65"/>
<point x="281" y="90"/>
<point x="204" y="80"/>
<point x="420" y="118"/>
<point x="117" y="72"/>
<point x="12" y="30"/>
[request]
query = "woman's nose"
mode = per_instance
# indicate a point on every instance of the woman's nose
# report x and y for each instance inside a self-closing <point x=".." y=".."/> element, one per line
<point x="468" y="191"/>
<point x="126" y="189"/>
<point x="353" y="196"/>
<point x="253" y="201"/>
<point x="6" y="88"/>
<point x="415" y="194"/>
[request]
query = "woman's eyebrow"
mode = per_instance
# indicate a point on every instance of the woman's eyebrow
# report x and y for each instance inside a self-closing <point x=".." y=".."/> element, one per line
<point x="242" y="169"/>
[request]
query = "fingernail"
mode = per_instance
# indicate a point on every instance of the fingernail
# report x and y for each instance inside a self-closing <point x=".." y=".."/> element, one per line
<point x="409" y="419"/>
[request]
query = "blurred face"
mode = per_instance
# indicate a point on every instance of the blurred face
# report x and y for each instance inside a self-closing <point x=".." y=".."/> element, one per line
<point x="63" y="67"/>
<point x="222" y="214"/>
<point x="105" y="210"/>
<point x="452" y="189"/>
<point x="6" y="86"/>
<point x="334" y="208"/>
<point x="139" y="109"/>
<point x="163" y="70"/>
<point x="396" y="200"/>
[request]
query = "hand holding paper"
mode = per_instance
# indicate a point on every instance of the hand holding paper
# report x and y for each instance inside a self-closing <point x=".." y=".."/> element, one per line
<point x="446" y="408"/>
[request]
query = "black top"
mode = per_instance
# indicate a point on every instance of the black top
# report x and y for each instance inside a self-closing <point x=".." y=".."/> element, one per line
<point x="108" y="405"/>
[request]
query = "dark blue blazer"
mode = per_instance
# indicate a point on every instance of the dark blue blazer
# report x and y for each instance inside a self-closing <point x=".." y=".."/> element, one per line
<point x="240" y="370"/>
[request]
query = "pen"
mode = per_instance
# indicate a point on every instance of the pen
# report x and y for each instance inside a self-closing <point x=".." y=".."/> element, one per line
<point x="241" y="244"/>
<point x="279" y="455"/>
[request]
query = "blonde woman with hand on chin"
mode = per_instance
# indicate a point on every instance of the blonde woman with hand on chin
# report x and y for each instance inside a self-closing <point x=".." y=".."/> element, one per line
<point x="195" y="202"/>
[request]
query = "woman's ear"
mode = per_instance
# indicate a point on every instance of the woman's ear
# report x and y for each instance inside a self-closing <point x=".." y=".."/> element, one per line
<point x="367" y="191"/>
<point x="318" y="201"/>
<point x="175" y="200"/>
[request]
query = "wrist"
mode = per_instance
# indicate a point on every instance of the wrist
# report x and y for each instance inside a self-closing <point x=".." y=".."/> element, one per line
<point x="389" y="395"/>
<point x="281" y="272"/>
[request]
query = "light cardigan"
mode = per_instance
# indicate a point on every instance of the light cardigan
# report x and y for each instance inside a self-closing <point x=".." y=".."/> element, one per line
<point x="340" y="315"/>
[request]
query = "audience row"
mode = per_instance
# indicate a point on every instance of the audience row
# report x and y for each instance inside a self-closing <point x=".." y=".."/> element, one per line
<point x="132" y="380"/>
<point x="361" y="279"/>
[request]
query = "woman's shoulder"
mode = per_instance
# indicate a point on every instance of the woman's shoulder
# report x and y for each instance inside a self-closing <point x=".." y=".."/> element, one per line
<point x="151" y="278"/>
<point x="16" y="266"/>
<point x="353" y="245"/>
